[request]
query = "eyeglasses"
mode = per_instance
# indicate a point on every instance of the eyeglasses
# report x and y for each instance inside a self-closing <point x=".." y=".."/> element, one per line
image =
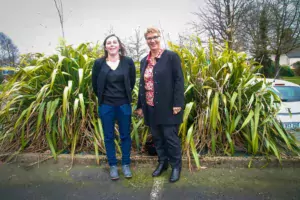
<point x="153" y="38"/>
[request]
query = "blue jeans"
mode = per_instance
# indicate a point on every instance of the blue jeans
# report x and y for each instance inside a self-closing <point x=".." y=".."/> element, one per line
<point x="108" y="115"/>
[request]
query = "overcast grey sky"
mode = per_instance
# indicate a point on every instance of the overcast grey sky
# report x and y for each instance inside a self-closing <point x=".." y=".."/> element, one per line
<point x="34" y="25"/>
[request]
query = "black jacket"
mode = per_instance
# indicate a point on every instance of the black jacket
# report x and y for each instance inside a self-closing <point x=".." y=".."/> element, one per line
<point x="99" y="76"/>
<point x="168" y="89"/>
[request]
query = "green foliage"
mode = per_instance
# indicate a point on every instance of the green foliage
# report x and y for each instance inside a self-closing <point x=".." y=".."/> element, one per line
<point x="286" y="71"/>
<point x="233" y="108"/>
<point x="297" y="68"/>
<point x="294" y="79"/>
<point x="1" y="77"/>
<point x="48" y="104"/>
<point x="267" y="67"/>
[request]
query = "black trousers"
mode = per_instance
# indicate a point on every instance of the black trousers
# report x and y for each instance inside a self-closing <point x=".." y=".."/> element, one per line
<point x="166" y="140"/>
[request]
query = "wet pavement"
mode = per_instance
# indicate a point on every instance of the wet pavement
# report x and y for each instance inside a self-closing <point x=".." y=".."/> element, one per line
<point x="58" y="181"/>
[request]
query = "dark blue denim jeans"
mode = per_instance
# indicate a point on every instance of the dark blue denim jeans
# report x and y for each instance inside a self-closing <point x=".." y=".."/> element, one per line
<point x="108" y="115"/>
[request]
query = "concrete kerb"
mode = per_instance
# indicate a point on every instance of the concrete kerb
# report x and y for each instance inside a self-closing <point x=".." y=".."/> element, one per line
<point x="205" y="161"/>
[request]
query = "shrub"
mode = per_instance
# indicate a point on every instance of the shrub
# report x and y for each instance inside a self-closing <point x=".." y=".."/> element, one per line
<point x="286" y="71"/>
<point x="234" y="109"/>
<point x="297" y="68"/>
<point x="49" y="104"/>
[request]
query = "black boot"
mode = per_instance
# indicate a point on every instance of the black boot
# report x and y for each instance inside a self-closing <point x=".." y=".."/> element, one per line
<point x="175" y="175"/>
<point x="160" y="168"/>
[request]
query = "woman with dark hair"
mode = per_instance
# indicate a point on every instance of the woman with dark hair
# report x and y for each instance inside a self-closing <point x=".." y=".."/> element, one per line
<point x="113" y="79"/>
<point x="161" y="102"/>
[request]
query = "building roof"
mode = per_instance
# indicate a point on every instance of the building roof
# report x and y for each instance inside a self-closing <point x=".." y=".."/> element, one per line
<point x="294" y="53"/>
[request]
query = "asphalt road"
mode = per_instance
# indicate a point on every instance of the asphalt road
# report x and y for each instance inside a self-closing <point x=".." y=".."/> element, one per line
<point x="58" y="181"/>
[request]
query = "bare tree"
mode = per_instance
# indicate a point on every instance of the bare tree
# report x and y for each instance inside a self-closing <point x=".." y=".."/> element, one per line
<point x="109" y="31"/>
<point x="9" y="52"/>
<point x="257" y="33"/>
<point x="185" y="40"/>
<point x="136" y="45"/>
<point x="253" y="21"/>
<point x="182" y="39"/>
<point x="284" y="27"/>
<point x="60" y="11"/>
<point x="222" y="21"/>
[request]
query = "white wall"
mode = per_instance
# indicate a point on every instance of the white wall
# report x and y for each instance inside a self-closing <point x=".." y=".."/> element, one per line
<point x="293" y="60"/>
<point x="284" y="60"/>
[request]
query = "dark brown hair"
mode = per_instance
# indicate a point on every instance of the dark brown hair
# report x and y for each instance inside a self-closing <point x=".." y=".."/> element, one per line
<point x="122" y="48"/>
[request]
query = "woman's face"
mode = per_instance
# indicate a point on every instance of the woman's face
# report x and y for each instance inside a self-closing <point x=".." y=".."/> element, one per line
<point x="112" y="46"/>
<point x="153" y="41"/>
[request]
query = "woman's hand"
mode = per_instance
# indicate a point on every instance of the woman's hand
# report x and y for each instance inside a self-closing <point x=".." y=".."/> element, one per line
<point x="176" y="110"/>
<point x="139" y="112"/>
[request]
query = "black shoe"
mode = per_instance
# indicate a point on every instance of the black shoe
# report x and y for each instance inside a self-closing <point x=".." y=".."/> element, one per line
<point x="175" y="175"/>
<point x="159" y="169"/>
